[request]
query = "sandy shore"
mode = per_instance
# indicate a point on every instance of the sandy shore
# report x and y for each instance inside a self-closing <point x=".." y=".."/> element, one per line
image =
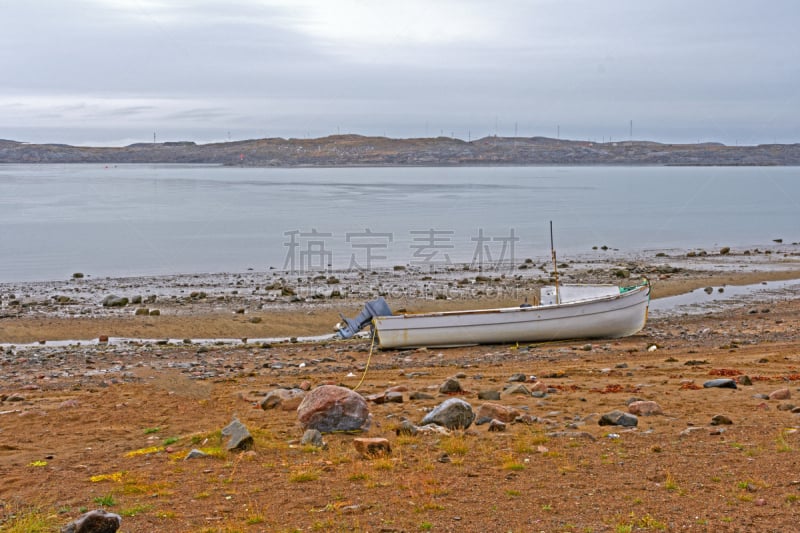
<point x="109" y="425"/>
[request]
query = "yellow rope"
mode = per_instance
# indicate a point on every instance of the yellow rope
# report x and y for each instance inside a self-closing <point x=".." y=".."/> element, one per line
<point x="369" y="358"/>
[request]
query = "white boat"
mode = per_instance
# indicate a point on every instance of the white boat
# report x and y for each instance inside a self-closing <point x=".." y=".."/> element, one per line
<point x="571" y="312"/>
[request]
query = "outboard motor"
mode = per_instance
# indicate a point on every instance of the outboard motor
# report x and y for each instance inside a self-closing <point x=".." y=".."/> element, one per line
<point x="350" y="326"/>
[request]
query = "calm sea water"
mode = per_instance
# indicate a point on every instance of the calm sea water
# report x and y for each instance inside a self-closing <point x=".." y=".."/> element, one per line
<point x="166" y="219"/>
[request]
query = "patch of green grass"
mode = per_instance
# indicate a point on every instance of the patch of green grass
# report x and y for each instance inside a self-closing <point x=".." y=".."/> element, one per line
<point x="171" y="440"/>
<point x="32" y="520"/>
<point x="135" y="510"/>
<point x="513" y="493"/>
<point x="383" y="463"/>
<point x="105" y="501"/>
<point x="454" y="445"/>
<point x="650" y="523"/>
<point x="781" y="443"/>
<point x="149" y="431"/>
<point x="670" y="483"/>
<point x="254" y="519"/>
<point x="513" y="465"/>
<point x="425" y="526"/>
<point x="304" y="475"/>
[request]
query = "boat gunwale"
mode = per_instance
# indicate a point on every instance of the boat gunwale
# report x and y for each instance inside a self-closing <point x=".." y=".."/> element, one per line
<point x="572" y="303"/>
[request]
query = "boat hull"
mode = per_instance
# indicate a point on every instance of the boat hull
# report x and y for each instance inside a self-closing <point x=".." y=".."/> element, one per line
<point x="613" y="316"/>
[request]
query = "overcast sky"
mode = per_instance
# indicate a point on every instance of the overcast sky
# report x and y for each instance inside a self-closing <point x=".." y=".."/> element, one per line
<point x="112" y="72"/>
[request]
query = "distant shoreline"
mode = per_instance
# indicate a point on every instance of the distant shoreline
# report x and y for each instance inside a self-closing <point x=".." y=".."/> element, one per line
<point x="360" y="151"/>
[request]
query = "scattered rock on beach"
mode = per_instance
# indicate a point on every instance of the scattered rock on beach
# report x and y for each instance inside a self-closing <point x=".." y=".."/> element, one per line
<point x="454" y="413"/>
<point x="97" y="521"/>
<point x="113" y="300"/>
<point x="645" y="408"/>
<point x="721" y="420"/>
<point x="284" y="399"/>
<point x="780" y="394"/>
<point x="451" y="386"/>
<point x="371" y="447"/>
<point x="312" y="437"/>
<point x="517" y="388"/>
<point x="195" y="454"/>
<point x="497" y="412"/>
<point x="406" y="428"/>
<point x="332" y="408"/>
<point x="497" y="425"/>
<point x="618" y="418"/>
<point x="723" y="383"/>
<point x="489" y="395"/>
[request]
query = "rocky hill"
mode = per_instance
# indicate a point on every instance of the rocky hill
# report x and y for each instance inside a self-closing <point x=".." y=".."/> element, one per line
<point x="356" y="150"/>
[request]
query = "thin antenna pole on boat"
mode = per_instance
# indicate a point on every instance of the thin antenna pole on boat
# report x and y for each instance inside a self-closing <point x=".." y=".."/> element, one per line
<point x="555" y="263"/>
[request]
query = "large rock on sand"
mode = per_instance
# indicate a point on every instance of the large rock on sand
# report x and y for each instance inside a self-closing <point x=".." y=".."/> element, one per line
<point x="331" y="408"/>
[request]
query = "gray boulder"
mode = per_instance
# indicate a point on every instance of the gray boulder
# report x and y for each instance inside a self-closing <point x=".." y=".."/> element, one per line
<point x="454" y="413"/>
<point x="332" y="408"/>
<point x="618" y="418"/>
<point x="98" y="521"/>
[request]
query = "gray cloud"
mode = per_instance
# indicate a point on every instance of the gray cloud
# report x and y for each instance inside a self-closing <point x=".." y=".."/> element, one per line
<point x="682" y="71"/>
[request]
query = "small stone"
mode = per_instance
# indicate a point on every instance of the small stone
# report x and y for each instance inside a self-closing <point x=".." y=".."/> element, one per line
<point x="406" y="428"/>
<point x="518" y="378"/>
<point x="451" y="386"/>
<point x="372" y="446"/>
<point x="721" y="420"/>
<point x="498" y="412"/>
<point x="454" y="413"/>
<point x="723" y="383"/>
<point x="539" y="386"/>
<point x="489" y="395"/>
<point x="497" y="425"/>
<point x="780" y="394"/>
<point x="284" y="399"/>
<point x="744" y="380"/>
<point x="417" y="395"/>
<point x="618" y="418"/>
<point x="393" y="397"/>
<point x="645" y="408"/>
<point x="240" y="437"/>
<point x="312" y="437"/>
<point x="195" y="454"/>
<point x="519" y="388"/>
